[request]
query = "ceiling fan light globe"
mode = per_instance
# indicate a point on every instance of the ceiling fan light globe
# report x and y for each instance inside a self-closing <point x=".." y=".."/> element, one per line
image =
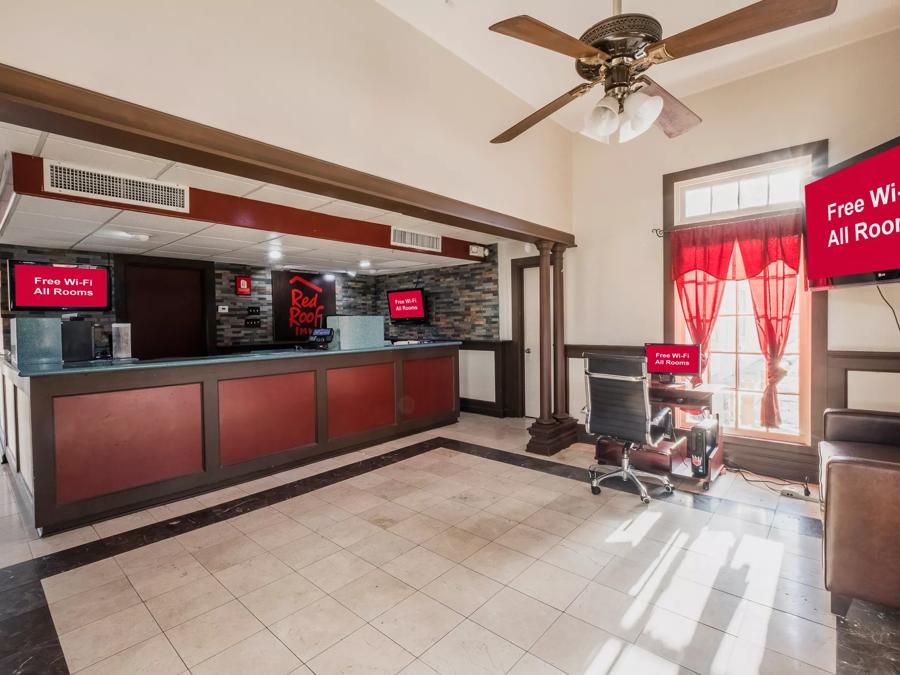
<point x="603" y="118"/>
<point x="642" y="110"/>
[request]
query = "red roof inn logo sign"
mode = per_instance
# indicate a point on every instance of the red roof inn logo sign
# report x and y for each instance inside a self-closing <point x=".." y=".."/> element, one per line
<point x="300" y="303"/>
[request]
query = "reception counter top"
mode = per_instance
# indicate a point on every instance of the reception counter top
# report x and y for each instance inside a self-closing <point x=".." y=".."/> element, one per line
<point x="94" y="440"/>
<point x="41" y="369"/>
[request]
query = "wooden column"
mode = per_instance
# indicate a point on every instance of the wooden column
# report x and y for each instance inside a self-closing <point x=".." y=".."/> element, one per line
<point x="559" y="336"/>
<point x="546" y="335"/>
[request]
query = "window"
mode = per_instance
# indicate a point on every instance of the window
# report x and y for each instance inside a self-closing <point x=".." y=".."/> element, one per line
<point x="762" y="189"/>
<point x="736" y="364"/>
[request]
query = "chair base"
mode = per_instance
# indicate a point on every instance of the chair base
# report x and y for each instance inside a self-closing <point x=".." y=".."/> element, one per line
<point x="627" y="473"/>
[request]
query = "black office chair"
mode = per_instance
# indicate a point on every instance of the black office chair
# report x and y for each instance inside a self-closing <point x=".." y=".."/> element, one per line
<point x="619" y="409"/>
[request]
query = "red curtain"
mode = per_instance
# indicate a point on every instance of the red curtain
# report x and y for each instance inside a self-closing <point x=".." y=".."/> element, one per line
<point x="769" y="259"/>
<point x="770" y="249"/>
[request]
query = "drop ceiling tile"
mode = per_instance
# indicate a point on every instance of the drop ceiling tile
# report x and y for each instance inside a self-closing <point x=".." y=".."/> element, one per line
<point x="156" y="238"/>
<point x="399" y="264"/>
<point x="276" y="245"/>
<point x="199" y="250"/>
<point x="209" y="180"/>
<point x="18" y="139"/>
<point x="151" y="221"/>
<point x="288" y="197"/>
<point x="239" y="234"/>
<point x="48" y="240"/>
<point x="102" y="157"/>
<point x="212" y="242"/>
<point x="102" y="247"/>
<point x="159" y="253"/>
<point x="65" y="209"/>
<point x="350" y="210"/>
<point x="37" y="224"/>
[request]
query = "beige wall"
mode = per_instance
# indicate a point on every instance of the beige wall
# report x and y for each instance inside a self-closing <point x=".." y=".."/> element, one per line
<point x="346" y="81"/>
<point x="615" y="275"/>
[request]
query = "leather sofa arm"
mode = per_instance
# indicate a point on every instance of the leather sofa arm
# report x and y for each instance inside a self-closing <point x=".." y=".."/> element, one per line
<point x="862" y="426"/>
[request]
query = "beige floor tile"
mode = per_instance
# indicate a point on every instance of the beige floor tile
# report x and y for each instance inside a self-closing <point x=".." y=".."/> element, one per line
<point x="365" y="651"/>
<point x="186" y="602"/>
<point x="585" y="561"/>
<point x="305" y="551"/>
<point x="132" y="521"/>
<point x="251" y="574"/>
<point x="259" y="518"/>
<point x="205" y="636"/>
<point x="790" y="635"/>
<point x="337" y="570"/>
<point x="203" y="537"/>
<point x="358" y="501"/>
<point x="419" y="528"/>
<point x="226" y="553"/>
<point x="281" y="598"/>
<point x="418" y="667"/>
<point x="450" y="511"/>
<point x="551" y="585"/>
<point x="14" y="552"/>
<point x="279" y="534"/>
<point x="80" y="579"/>
<point x="418" y="567"/>
<point x="155" y="656"/>
<point x="470" y="649"/>
<point x="578" y="507"/>
<point x="798" y="544"/>
<point x="151" y="555"/>
<point x="697" y="647"/>
<point x="96" y="641"/>
<point x="515" y="617"/>
<point x="259" y="653"/>
<point x="392" y="489"/>
<point x="455" y="544"/>
<point x="512" y="508"/>
<point x="349" y="531"/>
<point x="694" y="601"/>
<point x="417" y="623"/>
<point x="59" y="542"/>
<point x="477" y="498"/>
<point x="419" y="500"/>
<point x="553" y="522"/>
<point x="535" y="495"/>
<point x="576" y="647"/>
<point x="487" y="525"/>
<point x="498" y="562"/>
<point x="528" y="540"/>
<point x="613" y="611"/>
<point x="381" y="547"/>
<point x="372" y="594"/>
<point x="462" y="590"/>
<point x="532" y="665"/>
<point x="748" y="658"/>
<point x="178" y="571"/>
<point x="387" y="514"/>
<point x="174" y="510"/>
<point x="92" y="605"/>
<point x="313" y="629"/>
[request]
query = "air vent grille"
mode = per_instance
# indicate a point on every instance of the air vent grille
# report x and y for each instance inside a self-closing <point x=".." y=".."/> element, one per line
<point x="82" y="182"/>
<point x="419" y="240"/>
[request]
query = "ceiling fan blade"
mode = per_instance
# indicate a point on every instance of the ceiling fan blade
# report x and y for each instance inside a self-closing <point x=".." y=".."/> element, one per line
<point x="676" y="118"/>
<point x="538" y="33"/>
<point x="765" y="16"/>
<point x="541" y="113"/>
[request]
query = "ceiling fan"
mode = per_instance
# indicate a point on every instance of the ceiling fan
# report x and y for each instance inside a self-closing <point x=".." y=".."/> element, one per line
<point x="617" y="52"/>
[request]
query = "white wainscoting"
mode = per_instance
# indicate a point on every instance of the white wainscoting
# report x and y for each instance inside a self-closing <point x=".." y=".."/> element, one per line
<point x="871" y="390"/>
<point x="477" y="375"/>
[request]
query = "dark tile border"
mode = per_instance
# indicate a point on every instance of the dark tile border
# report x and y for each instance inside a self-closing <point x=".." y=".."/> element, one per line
<point x="28" y="640"/>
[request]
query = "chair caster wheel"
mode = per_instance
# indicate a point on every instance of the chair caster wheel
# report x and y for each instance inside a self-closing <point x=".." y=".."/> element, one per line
<point x="645" y="499"/>
<point x="668" y="489"/>
<point x="706" y="487"/>
<point x="595" y="489"/>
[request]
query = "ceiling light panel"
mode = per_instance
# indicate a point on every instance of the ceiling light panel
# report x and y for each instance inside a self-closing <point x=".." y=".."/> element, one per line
<point x="102" y="158"/>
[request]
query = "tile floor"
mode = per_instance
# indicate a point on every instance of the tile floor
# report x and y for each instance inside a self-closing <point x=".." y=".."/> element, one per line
<point x="449" y="563"/>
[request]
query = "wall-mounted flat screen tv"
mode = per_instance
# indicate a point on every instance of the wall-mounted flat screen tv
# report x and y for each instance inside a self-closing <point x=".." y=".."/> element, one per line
<point x="853" y="221"/>
<point x="36" y="286"/>
<point x="407" y="305"/>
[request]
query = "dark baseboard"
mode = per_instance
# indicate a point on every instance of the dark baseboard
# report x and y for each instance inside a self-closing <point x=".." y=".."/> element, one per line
<point x="474" y="405"/>
<point x="548" y="439"/>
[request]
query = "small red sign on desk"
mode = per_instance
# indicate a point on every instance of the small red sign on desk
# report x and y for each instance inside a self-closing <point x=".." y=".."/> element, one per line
<point x="679" y="359"/>
<point x="242" y="285"/>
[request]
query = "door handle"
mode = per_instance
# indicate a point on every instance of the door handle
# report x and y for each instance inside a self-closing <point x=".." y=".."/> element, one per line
<point x="527" y="350"/>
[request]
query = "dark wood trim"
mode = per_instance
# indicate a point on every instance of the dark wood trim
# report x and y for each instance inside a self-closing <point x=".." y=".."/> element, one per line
<point x="517" y="309"/>
<point x="786" y="459"/>
<point x="38" y="102"/>
<point x="120" y="304"/>
<point x="840" y="362"/>
<point x="560" y="372"/>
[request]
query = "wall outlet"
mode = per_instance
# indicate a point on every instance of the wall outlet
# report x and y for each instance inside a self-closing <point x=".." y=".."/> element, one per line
<point x="252" y="323"/>
<point x="223" y="309"/>
<point x="478" y="251"/>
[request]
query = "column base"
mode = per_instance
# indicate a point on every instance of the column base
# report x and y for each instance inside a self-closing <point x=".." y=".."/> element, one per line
<point x="548" y="439"/>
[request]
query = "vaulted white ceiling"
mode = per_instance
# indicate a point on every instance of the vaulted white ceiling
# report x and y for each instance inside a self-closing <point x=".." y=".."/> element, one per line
<point x="538" y="76"/>
<point x="50" y="223"/>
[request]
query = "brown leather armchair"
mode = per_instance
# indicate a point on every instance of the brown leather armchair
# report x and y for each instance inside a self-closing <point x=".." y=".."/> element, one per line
<point x="859" y="487"/>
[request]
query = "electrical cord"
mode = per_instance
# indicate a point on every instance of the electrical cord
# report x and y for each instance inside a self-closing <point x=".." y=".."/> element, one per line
<point x="887" y="302"/>
<point x="769" y="483"/>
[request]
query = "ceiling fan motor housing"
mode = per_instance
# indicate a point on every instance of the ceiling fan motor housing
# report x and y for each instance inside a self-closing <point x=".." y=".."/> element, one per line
<point x="623" y="35"/>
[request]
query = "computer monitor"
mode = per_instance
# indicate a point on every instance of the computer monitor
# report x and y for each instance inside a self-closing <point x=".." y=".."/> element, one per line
<point x="673" y="359"/>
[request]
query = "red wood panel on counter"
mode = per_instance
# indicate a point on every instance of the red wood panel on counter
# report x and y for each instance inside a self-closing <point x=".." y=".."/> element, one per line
<point x="429" y="387"/>
<point x="122" y="439"/>
<point x="266" y="415"/>
<point x="360" y="398"/>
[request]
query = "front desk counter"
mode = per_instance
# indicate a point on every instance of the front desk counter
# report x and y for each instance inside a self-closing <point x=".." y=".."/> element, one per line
<point x="89" y="441"/>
